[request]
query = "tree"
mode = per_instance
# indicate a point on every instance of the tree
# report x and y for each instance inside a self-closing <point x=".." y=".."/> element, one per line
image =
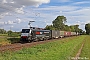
<point x="76" y="28"/>
<point x="81" y="31"/>
<point x="67" y="28"/>
<point x="2" y="31"/>
<point x="59" y="23"/>
<point x="9" y="33"/>
<point x="87" y="28"/>
<point x="84" y="33"/>
<point x="72" y="28"/>
<point x="49" y="27"/>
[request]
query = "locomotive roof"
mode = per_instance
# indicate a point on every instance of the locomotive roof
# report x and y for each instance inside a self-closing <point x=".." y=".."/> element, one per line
<point x="36" y="29"/>
<point x="41" y="30"/>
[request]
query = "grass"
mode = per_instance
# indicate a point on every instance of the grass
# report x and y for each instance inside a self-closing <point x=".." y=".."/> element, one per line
<point x="14" y="39"/>
<point x="56" y="50"/>
<point x="3" y="34"/>
<point x="4" y="39"/>
<point x="85" y="53"/>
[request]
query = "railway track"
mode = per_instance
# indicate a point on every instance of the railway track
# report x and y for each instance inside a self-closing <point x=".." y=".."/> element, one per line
<point x="19" y="46"/>
<point x="10" y="47"/>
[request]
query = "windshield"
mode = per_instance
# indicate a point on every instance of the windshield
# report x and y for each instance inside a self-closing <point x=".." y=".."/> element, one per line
<point x="25" y="30"/>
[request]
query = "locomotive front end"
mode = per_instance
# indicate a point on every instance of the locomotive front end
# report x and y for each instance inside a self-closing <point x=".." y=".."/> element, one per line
<point x="25" y="35"/>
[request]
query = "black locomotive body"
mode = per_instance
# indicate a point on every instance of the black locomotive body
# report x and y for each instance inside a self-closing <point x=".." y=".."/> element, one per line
<point x="41" y="34"/>
<point x="35" y="35"/>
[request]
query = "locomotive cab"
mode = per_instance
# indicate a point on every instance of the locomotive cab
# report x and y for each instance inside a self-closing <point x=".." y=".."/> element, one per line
<point x="26" y="35"/>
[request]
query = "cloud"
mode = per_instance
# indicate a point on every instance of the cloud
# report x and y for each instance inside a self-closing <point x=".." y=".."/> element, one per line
<point x="18" y="5"/>
<point x="64" y="0"/>
<point x="4" y="1"/>
<point x="19" y="12"/>
<point x="72" y="13"/>
<point x="11" y="9"/>
<point x="58" y="8"/>
<point x="1" y="23"/>
<point x="18" y="20"/>
<point x="11" y="22"/>
<point x="83" y="2"/>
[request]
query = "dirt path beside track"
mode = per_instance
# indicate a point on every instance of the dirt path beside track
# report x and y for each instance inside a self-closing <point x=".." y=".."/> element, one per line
<point x="77" y="57"/>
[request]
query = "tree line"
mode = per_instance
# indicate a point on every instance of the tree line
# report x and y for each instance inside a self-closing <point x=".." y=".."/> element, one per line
<point x="59" y="24"/>
<point x="10" y="33"/>
<point x="87" y="28"/>
<point x="2" y="31"/>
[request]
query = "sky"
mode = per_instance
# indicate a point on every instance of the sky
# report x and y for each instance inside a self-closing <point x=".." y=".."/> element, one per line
<point x="16" y="14"/>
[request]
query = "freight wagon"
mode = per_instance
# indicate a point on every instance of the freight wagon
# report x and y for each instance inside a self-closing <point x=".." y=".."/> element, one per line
<point x="55" y="34"/>
<point x="67" y="34"/>
<point x="73" y="33"/>
<point x="62" y="34"/>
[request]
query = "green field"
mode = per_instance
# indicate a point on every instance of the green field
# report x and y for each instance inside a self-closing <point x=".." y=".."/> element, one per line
<point x="85" y="54"/>
<point x="63" y="49"/>
<point x="5" y="39"/>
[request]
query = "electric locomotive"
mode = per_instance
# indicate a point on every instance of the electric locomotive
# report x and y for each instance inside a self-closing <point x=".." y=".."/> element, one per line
<point x="34" y="34"/>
